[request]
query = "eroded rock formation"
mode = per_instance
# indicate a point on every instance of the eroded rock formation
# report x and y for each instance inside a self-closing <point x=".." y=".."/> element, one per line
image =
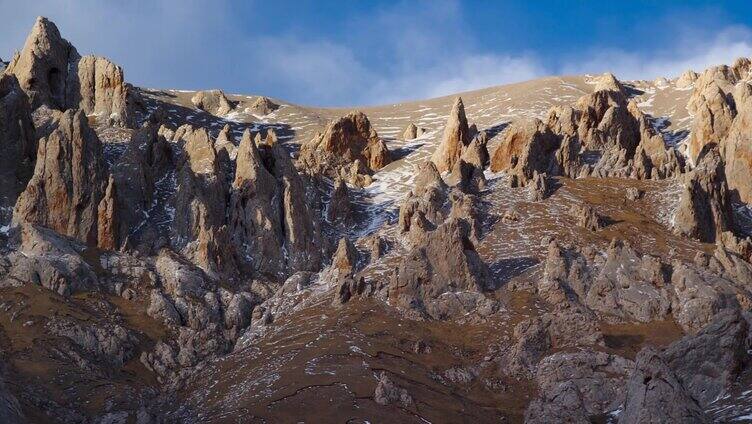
<point x="348" y="143"/>
<point x="52" y="73"/>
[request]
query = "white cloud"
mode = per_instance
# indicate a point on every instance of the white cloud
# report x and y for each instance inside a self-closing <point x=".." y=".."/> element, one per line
<point x="408" y="50"/>
<point x="696" y="52"/>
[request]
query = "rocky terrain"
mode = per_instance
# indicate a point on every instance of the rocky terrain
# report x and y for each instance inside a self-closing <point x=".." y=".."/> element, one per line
<point x="571" y="249"/>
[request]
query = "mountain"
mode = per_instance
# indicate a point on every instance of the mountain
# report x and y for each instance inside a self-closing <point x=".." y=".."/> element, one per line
<point x="567" y="249"/>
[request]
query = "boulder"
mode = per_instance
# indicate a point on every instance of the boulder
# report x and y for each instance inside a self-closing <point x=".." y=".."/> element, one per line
<point x="456" y="137"/>
<point x="412" y="132"/>
<point x="18" y="143"/>
<point x="587" y="217"/>
<point x="387" y="392"/>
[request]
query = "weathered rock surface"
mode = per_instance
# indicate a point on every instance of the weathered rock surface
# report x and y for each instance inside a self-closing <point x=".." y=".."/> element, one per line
<point x="704" y="211"/>
<point x="446" y="262"/>
<point x="345" y="142"/>
<point x="576" y="386"/>
<point x="68" y="181"/>
<point x="212" y="101"/>
<point x="52" y="73"/>
<point x="388" y="392"/>
<point x="738" y="146"/>
<point x="708" y="363"/>
<point x="527" y="147"/>
<point x="263" y="105"/>
<point x="269" y="213"/>
<point x="655" y="394"/>
<point x="54" y="262"/>
<point x="622" y="285"/>
<point x="456" y="137"/>
<point x="587" y="217"/>
<point x="18" y="143"/>
<point x="339" y="209"/>
<point x="412" y="132"/>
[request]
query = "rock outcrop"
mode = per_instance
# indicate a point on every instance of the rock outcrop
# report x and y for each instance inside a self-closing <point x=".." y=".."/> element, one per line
<point x="708" y="363"/>
<point x="576" y="386"/>
<point x="412" y="132"/>
<point x="527" y="147"/>
<point x="52" y="73"/>
<point x="604" y="121"/>
<point x="655" y="394"/>
<point x="18" y="143"/>
<point x="68" y="181"/>
<point x="738" y="146"/>
<point x="269" y="213"/>
<point x="263" y="106"/>
<point x="212" y="101"/>
<point x="456" y="137"/>
<point x="447" y="262"/>
<point x="704" y="210"/>
<point x="348" y="144"/>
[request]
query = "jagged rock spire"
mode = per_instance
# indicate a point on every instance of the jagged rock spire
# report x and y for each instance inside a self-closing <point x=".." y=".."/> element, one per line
<point x="456" y="136"/>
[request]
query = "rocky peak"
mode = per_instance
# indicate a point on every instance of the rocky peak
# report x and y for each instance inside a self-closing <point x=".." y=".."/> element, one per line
<point x="608" y="82"/>
<point x="18" y="142"/>
<point x="212" y="101"/>
<point x="345" y="141"/>
<point x="263" y="105"/>
<point x="456" y="136"/>
<point x="52" y="73"/>
<point x="68" y="181"/>
<point x="704" y="210"/>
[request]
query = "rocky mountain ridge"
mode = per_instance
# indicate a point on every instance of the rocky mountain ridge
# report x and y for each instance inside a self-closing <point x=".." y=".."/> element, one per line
<point x="191" y="257"/>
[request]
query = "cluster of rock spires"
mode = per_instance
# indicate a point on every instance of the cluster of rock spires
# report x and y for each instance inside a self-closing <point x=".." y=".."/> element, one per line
<point x="606" y="122"/>
<point x="349" y="148"/>
<point x="53" y="74"/>
<point x="218" y="238"/>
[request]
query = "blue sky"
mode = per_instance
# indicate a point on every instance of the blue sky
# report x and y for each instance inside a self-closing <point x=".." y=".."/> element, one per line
<point x="338" y="53"/>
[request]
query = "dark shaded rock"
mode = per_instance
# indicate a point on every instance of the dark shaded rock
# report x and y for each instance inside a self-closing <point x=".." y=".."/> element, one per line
<point x="68" y="181"/>
<point x="704" y="210"/>
<point x="446" y="262"/>
<point x="18" y="143"/>
<point x="655" y="394"/>
<point x="708" y="363"/>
